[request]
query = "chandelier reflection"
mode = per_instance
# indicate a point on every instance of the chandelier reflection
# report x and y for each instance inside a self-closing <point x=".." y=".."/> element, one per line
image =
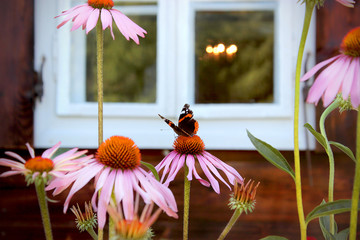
<point x="221" y="49"/>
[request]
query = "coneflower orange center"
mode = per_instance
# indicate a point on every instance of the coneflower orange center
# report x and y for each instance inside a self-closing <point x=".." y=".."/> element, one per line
<point x="351" y="43"/>
<point x="119" y="152"/>
<point x="131" y="229"/>
<point x="189" y="145"/>
<point x="39" y="164"/>
<point x="108" y="4"/>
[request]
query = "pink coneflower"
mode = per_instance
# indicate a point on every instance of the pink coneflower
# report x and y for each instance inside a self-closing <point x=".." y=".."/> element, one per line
<point x="45" y="166"/>
<point x="87" y="15"/>
<point x="342" y="75"/>
<point x="139" y="226"/>
<point x="117" y="171"/>
<point x="188" y="150"/>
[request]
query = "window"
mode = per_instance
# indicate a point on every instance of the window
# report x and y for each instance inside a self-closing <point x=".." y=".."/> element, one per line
<point x="232" y="61"/>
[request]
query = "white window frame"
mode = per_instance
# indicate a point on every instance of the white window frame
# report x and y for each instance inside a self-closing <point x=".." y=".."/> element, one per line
<point x="222" y="126"/>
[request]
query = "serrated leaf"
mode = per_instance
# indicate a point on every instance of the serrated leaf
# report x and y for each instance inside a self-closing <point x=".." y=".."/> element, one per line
<point x="338" y="206"/>
<point x="152" y="169"/>
<point x="271" y="154"/>
<point x="274" y="238"/>
<point x="345" y="149"/>
<point x="320" y="138"/>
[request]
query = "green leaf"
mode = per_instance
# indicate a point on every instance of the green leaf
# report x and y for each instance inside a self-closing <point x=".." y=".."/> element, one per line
<point x="343" y="235"/>
<point x="271" y="154"/>
<point x="345" y="149"/>
<point x="338" y="206"/>
<point x="324" y="222"/>
<point x="274" y="238"/>
<point x="152" y="169"/>
<point x="320" y="138"/>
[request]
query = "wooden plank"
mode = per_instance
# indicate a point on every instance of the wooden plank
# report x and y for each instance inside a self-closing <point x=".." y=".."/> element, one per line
<point x="275" y="212"/>
<point x="16" y="71"/>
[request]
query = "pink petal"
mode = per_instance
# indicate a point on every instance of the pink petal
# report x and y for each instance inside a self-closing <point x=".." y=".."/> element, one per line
<point x="31" y="150"/>
<point x="118" y="188"/>
<point x="103" y="175"/>
<point x="190" y="162"/>
<point x="82" y="18"/>
<point x="88" y="174"/>
<point x="175" y="169"/>
<point x="348" y="80"/>
<point x="49" y="152"/>
<point x="71" y="13"/>
<point x="105" y="199"/>
<point x="10" y="163"/>
<point x="92" y="20"/>
<point x="355" y="89"/>
<point x="213" y="170"/>
<point x="128" y="200"/>
<point x="106" y="20"/>
<point x="323" y="80"/>
<point x="347" y="3"/>
<point x="15" y="155"/>
<point x="127" y="27"/>
<point x="10" y="173"/>
<point x="336" y="81"/>
<point x="317" y="67"/>
<point x="213" y="181"/>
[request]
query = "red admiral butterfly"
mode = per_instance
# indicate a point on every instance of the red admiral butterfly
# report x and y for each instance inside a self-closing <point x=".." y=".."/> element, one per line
<point x="187" y="125"/>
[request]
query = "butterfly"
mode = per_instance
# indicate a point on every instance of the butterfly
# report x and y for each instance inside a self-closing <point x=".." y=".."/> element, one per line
<point x="187" y="125"/>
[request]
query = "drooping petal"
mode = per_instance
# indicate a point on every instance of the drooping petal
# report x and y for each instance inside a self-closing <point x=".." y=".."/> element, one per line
<point x="82" y="17"/>
<point x="347" y="3"/>
<point x="190" y="162"/>
<point x="106" y="20"/>
<point x="127" y="27"/>
<point x="105" y="198"/>
<point x="348" y="80"/>
<point x="355" y="89"/>
<point x="176" y="165"/>
<point x="323" y="80"/>
<point x="10" y="173"/>
<point x="102" y="176"/>
<point x="317" y="67"/>
<point x="92" y="20"/>
<point x="128" y="200"/>
<point x="334" y="86"/>
<point x="213" y="169"/>
<point x="213" y="181"/>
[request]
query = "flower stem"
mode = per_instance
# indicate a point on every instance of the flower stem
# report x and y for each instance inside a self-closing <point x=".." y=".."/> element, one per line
<point x="41" y="195"/>
<point x="186" y="204"/>
<point x="307" y="20"/>
<point x="92" y="233"/>
<point x="100" y="65"/>
<point x="356" y="187"/>
<point x="330" y="154"/>
<point x="230" y="224"/>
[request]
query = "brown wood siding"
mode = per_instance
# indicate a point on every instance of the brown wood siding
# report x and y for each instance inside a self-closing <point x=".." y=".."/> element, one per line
<point x="16" y="72"/>
<point x="333" y="22"/>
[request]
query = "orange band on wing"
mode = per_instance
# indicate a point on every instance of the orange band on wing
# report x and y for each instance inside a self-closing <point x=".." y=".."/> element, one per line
<point x="186" y="116"/>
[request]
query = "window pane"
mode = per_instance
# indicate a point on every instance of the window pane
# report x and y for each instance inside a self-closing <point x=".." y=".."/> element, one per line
<point x="234" y="57"/>
<point x="129" y="69"/>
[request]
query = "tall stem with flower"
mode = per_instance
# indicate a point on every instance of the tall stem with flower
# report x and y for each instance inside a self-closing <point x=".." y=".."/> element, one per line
<point x="307" y="20"/>
<point x="44" y="210"/>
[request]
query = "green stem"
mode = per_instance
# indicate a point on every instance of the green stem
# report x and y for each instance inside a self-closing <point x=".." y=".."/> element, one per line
<point x="330" y="154"/>
<point x="92" y="233"/>
<point x="356" y="187"/>
<point x="307" y="20"/>
<point x="186" y="203"/>
<point x="230" y="224"/>
<point x="100" y="65"/>
<point x="41" y="195"/>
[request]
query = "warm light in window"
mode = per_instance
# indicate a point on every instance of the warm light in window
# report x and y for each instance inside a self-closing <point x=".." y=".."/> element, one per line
<point x="209" y="49"/>
<point x="231" y="49"/>
<point x="221" y="47"/>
